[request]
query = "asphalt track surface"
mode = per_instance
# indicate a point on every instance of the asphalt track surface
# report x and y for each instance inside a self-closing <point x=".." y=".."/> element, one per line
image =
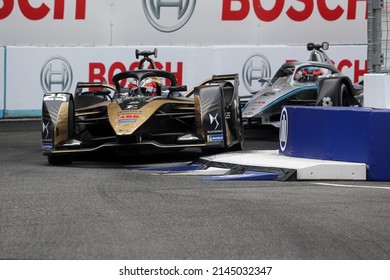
<point x="100" y="208"/>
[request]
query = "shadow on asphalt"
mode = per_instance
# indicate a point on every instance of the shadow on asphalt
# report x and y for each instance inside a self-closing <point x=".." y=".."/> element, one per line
<point x="120" y="158"/>
<point x="256" y="138"/>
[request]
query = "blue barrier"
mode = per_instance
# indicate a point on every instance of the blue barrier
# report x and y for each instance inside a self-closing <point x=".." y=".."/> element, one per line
<point x="339" y="133"/>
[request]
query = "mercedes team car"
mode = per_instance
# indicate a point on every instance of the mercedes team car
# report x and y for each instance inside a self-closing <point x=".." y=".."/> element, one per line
<point x="315" y="82"/>
<point x="145" y="108"/>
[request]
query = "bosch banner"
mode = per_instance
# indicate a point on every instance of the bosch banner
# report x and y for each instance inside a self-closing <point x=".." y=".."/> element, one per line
<point x="181" y="22"/>
<point x="47" y="69"/>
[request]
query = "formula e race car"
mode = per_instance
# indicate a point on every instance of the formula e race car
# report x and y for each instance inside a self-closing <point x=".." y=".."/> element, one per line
<point x="145" y="108"/>
<point x="315" y="82"/>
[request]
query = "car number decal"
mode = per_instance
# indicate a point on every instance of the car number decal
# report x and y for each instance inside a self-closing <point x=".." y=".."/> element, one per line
<point x="55" y="97"/>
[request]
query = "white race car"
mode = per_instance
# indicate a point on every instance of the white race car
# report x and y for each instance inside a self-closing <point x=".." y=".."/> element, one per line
<point x="315" y="82"/>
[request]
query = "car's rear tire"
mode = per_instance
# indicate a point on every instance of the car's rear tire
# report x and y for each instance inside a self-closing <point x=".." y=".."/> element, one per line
<point x="239" y="129"/>
<point x="343" y="93"/>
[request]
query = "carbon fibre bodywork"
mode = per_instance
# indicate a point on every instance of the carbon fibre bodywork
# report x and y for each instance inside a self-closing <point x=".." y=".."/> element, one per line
<point x="102" y="116"/>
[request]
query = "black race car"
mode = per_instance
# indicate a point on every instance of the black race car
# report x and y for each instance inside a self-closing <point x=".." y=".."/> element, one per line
<point x="144" y="108"/>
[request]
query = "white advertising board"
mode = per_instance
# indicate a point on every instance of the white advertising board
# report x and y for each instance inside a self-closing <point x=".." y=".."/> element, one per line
<point x="181" y="22"/>
<point x="2" y="81"/>
<point x="31" y="71"/>
<point x="46" y="69"/>
<point x="376" y="90"/>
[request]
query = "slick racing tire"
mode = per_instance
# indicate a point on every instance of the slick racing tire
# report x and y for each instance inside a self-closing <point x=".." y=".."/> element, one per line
<point x="343" y="93"/>
<point x="240" y="130"/>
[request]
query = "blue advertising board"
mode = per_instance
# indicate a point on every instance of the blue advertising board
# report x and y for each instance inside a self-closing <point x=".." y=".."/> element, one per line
<point x="338" y="133"/>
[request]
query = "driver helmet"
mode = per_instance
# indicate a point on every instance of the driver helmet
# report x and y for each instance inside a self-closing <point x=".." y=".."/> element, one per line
<point x="133" y="88"/>
<point x="131" y="91"/>
<point x="308" y="74"/>
<point x="151" y="86"/>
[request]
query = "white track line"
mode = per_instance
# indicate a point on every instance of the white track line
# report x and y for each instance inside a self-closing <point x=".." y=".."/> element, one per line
<point x="352" y="186"/>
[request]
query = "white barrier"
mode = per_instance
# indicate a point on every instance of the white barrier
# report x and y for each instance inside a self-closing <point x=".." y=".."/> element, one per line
<point x="182" y="22"/>
<point x="31" y="71"/>
<point x="377" y="91"/>
<point x="206" y="33"/>
<point x="2" y="81"/>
